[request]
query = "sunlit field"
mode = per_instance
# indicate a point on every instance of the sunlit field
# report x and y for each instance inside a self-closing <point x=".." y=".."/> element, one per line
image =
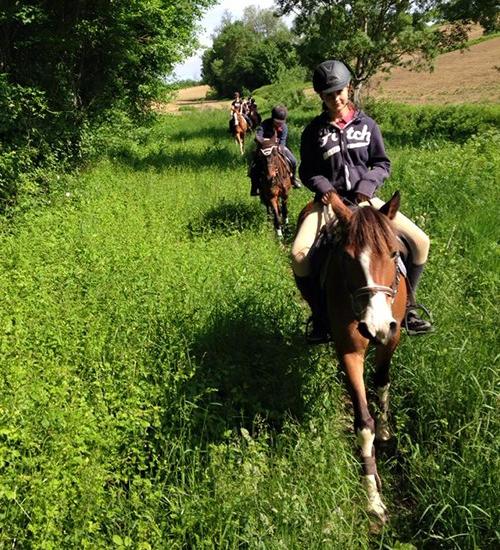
<point x="156" y="390"/>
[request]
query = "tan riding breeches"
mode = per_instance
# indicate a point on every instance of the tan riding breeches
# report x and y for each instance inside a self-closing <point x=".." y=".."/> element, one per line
<point x="315" y="220"/>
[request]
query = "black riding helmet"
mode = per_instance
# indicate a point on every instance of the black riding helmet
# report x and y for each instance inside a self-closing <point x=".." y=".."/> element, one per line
<point x="331" y="76"/>
<point x="279" y="113"/>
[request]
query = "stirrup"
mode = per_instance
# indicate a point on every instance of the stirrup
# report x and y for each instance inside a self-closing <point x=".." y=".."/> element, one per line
<point x="426" y="326"/>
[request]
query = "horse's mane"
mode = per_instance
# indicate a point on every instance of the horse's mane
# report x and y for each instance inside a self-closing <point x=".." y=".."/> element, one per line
<point x="368" y="227"/>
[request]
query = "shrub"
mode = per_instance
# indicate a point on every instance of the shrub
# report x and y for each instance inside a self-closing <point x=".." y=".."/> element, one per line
<point x="412" y="124"/>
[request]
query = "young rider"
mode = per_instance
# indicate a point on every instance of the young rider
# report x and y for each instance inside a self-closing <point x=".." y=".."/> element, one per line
<point x="274" y="126"/>
<point x="238" y="105"/>
<point x="342" y="150"/>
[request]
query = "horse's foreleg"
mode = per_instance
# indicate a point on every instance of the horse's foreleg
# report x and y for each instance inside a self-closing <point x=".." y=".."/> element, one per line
<point x="364" y="425"/>
<point x="276" y="216"/>
<point x="383" y="357"/>
<point x="284" y="211"/>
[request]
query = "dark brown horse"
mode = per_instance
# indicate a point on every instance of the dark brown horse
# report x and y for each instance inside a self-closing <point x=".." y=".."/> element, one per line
<point x="254" y="116"/>
<point x="366" y="299"/>
<point x="275" y="181"/>
<point x="239" y="128"/>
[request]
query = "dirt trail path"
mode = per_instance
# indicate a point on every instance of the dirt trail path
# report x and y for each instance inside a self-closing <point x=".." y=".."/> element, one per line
<point x="192" y="98"/>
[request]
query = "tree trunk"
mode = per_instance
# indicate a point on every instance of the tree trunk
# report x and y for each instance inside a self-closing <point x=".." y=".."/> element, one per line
<point x="357" y="92"/>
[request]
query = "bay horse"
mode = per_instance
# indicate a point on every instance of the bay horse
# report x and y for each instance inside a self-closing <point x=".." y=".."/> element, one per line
<point x="254" y="116"/>
<point x="275" y="181"/>
<point x="239" y="128"/>
<point x="366" y="295"/>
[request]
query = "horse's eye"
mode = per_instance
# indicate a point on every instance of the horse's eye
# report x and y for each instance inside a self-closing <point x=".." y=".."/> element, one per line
<point x="394" y="254"/>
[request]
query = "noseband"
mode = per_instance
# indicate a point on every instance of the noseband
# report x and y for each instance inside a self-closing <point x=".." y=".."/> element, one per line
<point x="266" y="151"/>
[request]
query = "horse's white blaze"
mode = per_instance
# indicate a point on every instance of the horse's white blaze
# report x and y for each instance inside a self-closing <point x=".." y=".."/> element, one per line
<point x="365" y="439"/>
<point x="378" y="314"/>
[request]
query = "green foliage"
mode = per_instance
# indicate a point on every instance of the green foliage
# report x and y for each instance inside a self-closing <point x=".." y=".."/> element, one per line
<point x="370" y="36"/>
<point x="156" y="391"/>
<point x="25" y="144"/>
<point x="63" y="63"/>
<point x="407" y="124"/>
<point x="289" y="91"/>
<point x="484" y="12"/>
<point x="248" y="54"/>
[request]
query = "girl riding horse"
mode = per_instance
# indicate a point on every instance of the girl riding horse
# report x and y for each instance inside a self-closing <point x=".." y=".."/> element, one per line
<point x="274" y="180"/>
<point x="342" y="150"/>
<point x="274" y="127"/>
<point x="238" y="123"/>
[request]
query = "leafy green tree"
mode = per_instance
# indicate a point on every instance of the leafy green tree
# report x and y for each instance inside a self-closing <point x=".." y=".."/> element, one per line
<point x="89" y="53"/>
<point x="65" y="62"/>
<point x="227" y="65"/>
<point x="248" y="53"/>
<point x="484" y="12"/>
<point x="368" y="35"/>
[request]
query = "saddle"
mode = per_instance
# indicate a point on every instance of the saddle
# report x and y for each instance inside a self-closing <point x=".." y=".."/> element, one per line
<point x="326" y="241"/>
<point x="287" y="161"/>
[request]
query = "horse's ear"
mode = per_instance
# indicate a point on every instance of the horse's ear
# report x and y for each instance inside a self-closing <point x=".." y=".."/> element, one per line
<point x="341" y="211"/>
<point x="391" y="207"/>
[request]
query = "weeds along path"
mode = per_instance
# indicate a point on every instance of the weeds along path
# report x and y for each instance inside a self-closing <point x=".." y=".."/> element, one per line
<point x="155" y="390"/>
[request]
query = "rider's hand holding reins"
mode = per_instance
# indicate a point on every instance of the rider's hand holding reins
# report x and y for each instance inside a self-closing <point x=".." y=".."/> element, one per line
<point x="326" y="199"/>
<point x="361" y="198"/>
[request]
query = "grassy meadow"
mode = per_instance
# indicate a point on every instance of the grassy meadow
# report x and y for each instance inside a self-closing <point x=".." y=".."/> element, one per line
<point x="155" y="389"/>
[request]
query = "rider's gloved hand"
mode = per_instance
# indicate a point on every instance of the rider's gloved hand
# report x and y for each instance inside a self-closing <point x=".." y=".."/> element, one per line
<point x="327" y="197"/>
<point x="361" y="198"/>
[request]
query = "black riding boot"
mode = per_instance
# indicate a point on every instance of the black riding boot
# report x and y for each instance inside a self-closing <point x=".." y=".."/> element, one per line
<point x="314" y="296"/>
<point x="413" y="323"/>
<point x="296" y="182"/>
<point x="254" y="190"/>
<point x="254" y="178"/>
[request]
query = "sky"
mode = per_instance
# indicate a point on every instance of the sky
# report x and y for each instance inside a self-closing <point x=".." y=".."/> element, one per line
<point x="191" y="68"/>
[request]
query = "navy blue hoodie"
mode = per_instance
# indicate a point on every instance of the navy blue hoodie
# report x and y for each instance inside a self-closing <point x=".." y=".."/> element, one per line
<point x="351" y="160"/>
<point x="267" y="130"/>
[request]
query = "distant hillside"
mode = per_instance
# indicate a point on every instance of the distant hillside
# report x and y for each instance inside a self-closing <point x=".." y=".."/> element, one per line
<point x="471" y="76"/>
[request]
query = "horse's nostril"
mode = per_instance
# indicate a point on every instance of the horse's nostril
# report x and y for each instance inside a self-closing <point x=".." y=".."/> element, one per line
<point x="393" y="326"/>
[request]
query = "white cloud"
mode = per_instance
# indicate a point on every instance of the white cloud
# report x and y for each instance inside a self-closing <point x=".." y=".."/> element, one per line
<point x="191" y="68"/>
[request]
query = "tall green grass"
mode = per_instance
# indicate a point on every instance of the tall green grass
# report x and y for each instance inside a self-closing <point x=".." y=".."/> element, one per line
<point x="155" y="388"/>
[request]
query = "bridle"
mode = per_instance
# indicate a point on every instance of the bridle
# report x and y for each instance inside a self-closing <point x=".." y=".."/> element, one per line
<point x="370" y="290"/>
<point x="267" y="152"/>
